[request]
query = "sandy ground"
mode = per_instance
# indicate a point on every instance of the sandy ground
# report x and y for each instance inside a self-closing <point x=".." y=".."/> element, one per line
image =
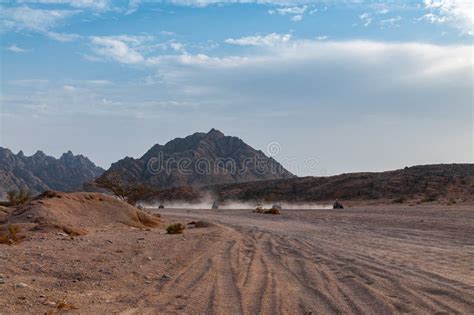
<point x="375" y="260"/>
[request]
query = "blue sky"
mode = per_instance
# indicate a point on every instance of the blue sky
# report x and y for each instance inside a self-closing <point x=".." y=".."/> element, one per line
<point x="340" y="85"/>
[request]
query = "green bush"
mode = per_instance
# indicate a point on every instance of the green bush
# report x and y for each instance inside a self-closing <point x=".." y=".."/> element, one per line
<point x="176" y="228"/>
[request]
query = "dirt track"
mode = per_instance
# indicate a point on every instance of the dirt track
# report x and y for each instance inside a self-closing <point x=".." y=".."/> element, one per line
<point x="372" y="262"/>
<point x="417" y="260"/>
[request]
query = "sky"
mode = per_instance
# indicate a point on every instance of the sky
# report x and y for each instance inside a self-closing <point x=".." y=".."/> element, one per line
<point x="325" y="87"/>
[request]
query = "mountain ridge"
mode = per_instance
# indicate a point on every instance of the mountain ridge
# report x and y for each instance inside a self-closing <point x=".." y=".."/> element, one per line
<point x="39" y="171"/>
<point x="421" y="182"/>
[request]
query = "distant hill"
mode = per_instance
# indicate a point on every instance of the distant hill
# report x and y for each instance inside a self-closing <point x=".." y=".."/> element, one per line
<point x="197" y="160"/>
<point x="41" y="172"/>
<point x="427" y="182"/>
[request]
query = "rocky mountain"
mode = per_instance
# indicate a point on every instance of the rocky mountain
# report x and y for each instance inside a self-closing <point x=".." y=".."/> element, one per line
<point x="41" y="172"/>
<point x="197" y="160"/>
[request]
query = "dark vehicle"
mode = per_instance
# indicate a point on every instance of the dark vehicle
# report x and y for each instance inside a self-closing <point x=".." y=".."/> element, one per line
<point x="337" y="205"/>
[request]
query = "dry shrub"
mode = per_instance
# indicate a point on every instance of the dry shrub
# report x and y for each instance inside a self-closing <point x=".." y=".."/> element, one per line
<point x="272" y="211"/>
<point x="176" y="228"/>
<point x="269" y="211"/>
<point x="18" y="197"/>
<point x="203" y="224"/>
<point x="399" y="200"/>
<point x="430" y="198"/>
<point x="61" y="305"/>
<point x="147" y="219"/>
<point x="451" y="201"/>
<point x="49" y="194"/>
<point x="259" y="210"/>
<point x="4" y="214"/>
<point x="74" y="231"/>
<point x="11" y="235"/>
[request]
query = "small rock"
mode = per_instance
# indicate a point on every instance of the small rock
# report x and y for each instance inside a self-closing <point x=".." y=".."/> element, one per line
<point x="21" y="285"/>
<point x="165" y="277"/>
<point x="2" y="281"/>
<point x="149" y="258"/>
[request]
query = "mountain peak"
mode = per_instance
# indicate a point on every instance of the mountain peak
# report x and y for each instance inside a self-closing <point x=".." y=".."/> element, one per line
<point x="200" y="159"/>
<point x="68" y="154"/>
<point x="214" y="133"/>
<point x="39" y="153"/>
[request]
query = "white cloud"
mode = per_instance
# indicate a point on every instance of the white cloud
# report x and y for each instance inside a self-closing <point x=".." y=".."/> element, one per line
<point x="296" y="12"/>
<point x="178" y="47"/>
<point x="133" y="6"/>
<point x="366" y="19"/>
<point x="62" y="37"/>
<point x="69" y="88"/>
<point x="198" y="60"/>
<point x="16" y="49"/>
<point x="97" y="82"/>
<point x="296" y="18"/>
<point x="458" y="13"/>
<point x="260" y="40"/>
<point x="124" y="48"/>
<point x="99" y="5"/>
<point x="391" y="21"/>
<point x="433" y="18"/>
<point x="37" y="20"/>
<point x="167" y="33"/>
<point x="292" y="10"/>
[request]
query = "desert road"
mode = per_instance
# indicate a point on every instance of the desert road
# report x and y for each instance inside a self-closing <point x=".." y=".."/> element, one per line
<point x="416" y="260"/>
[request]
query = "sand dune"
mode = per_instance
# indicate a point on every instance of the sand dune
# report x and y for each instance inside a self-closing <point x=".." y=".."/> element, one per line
<point x="79" y="212"/>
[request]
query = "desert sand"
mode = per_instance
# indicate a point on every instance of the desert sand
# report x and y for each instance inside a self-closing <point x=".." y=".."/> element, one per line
<point x="362" y="260"/>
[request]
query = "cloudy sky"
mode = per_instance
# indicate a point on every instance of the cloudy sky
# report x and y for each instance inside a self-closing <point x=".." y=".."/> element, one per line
<point x="341" y="86"/>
